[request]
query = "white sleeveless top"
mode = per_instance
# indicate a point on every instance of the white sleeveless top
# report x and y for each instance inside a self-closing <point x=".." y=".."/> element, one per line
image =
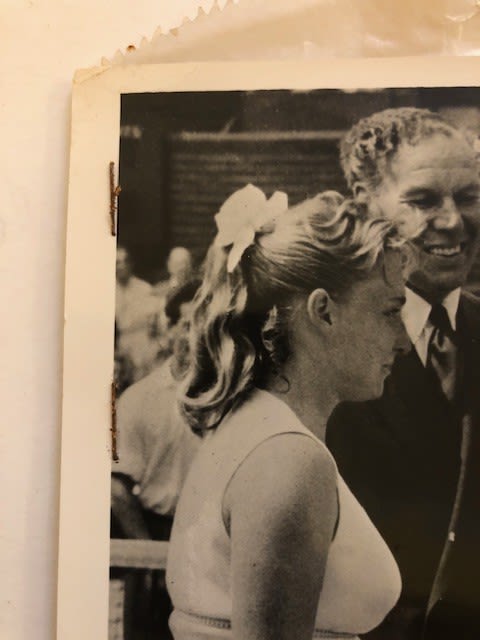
<point x="361" y="582"/>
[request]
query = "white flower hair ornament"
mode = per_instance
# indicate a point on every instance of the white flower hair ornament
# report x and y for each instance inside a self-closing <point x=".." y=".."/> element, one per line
<point x="244" y="214"/>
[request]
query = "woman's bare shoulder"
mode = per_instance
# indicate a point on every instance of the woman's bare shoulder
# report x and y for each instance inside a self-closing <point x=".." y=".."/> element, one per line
<point x="287" y="473"/>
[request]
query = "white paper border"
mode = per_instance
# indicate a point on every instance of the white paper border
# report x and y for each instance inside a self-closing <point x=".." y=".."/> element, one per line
<point x="90" y="283"/>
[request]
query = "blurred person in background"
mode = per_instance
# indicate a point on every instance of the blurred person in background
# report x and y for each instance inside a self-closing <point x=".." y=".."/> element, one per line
<point x="134" y="312"/>
<point x="155" y="448"/>
<point x="180" y="271"/>
<point x="177" y="313"/>
<point x="123" y="371"/>
<point x="154" y="444"/>
<point x="179" y="267"/>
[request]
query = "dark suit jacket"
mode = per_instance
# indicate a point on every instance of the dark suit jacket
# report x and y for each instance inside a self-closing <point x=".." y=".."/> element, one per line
<point x="400" y="455"/>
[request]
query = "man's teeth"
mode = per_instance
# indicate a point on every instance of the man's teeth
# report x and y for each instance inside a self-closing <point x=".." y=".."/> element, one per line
<point x="444" y="251"/>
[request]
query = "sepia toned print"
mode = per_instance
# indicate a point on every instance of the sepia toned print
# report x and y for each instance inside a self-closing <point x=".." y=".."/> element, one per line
<point x="295" y="300"/>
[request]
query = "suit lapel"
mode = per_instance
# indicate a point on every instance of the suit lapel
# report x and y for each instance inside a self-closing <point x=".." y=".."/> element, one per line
<point x="458" y="583"/>
<point x="421" y="413"/>
<point x="469" y="330"/>
<point x="416" y="411"/>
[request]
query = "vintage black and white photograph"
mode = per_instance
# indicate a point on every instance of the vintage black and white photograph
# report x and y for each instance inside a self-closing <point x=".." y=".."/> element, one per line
<point x="294" y="343"/>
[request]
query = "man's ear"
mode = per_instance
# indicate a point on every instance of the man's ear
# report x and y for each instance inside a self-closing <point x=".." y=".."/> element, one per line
<point x="319" y="306"/>
<point x="360" y="193"/>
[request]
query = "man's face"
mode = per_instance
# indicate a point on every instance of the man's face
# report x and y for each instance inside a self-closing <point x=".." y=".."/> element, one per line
<point x="436" y="180"/>
<point x="179" y="264"/>
<point x="123" y="266"/>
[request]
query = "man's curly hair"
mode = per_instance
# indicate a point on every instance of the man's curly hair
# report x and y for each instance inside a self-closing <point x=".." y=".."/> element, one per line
<point x="369" y="145"/>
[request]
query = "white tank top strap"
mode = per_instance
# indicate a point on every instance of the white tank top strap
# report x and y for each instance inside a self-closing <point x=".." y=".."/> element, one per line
<point x="269" y="418"/>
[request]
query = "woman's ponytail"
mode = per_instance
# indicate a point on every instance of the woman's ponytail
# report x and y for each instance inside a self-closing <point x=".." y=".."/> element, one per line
<point x="222" y="354"/>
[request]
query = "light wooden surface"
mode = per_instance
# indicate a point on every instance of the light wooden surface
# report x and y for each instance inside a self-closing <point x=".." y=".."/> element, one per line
<point x="138" y="554"/>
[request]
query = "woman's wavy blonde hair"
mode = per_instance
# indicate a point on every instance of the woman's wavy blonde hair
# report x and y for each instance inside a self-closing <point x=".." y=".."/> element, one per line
<point x="240" y="322"/>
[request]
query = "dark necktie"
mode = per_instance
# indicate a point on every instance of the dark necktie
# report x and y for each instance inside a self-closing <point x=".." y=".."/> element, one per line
<point x="442" y="350"/>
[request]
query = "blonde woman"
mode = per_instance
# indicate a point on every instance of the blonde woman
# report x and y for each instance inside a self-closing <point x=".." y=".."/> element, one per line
<point x="299" y="309"/>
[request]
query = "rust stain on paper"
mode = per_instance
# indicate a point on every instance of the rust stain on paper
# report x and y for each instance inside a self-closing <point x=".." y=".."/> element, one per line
<point x="113" y="429"/>
<point x="114" y="193"/>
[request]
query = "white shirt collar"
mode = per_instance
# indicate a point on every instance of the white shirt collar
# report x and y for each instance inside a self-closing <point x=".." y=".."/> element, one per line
<point x="416" y="310"/>
<point x="451" y="303"/>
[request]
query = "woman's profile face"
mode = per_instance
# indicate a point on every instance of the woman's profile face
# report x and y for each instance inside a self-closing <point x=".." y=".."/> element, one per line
<point x="369" y="331"/>
<point x="436" y="181"/>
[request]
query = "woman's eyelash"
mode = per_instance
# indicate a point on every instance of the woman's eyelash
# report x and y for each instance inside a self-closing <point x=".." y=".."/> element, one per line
<point x="392" y="312"/>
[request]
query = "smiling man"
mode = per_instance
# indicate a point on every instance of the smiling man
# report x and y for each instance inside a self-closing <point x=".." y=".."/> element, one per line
<point x="435" y="179"/>
<point x="412" y="457"/>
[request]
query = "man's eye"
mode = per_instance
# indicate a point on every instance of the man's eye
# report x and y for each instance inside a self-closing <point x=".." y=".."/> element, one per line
<point x="425" y="202"/>
<point x="467" y="199"/>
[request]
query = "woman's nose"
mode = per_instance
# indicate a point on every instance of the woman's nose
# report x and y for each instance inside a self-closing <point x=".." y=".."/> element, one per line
<point x="448" y="217"/>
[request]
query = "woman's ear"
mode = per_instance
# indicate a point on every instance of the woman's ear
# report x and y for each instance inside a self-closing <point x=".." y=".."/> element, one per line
<point x="319" y="306"/>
